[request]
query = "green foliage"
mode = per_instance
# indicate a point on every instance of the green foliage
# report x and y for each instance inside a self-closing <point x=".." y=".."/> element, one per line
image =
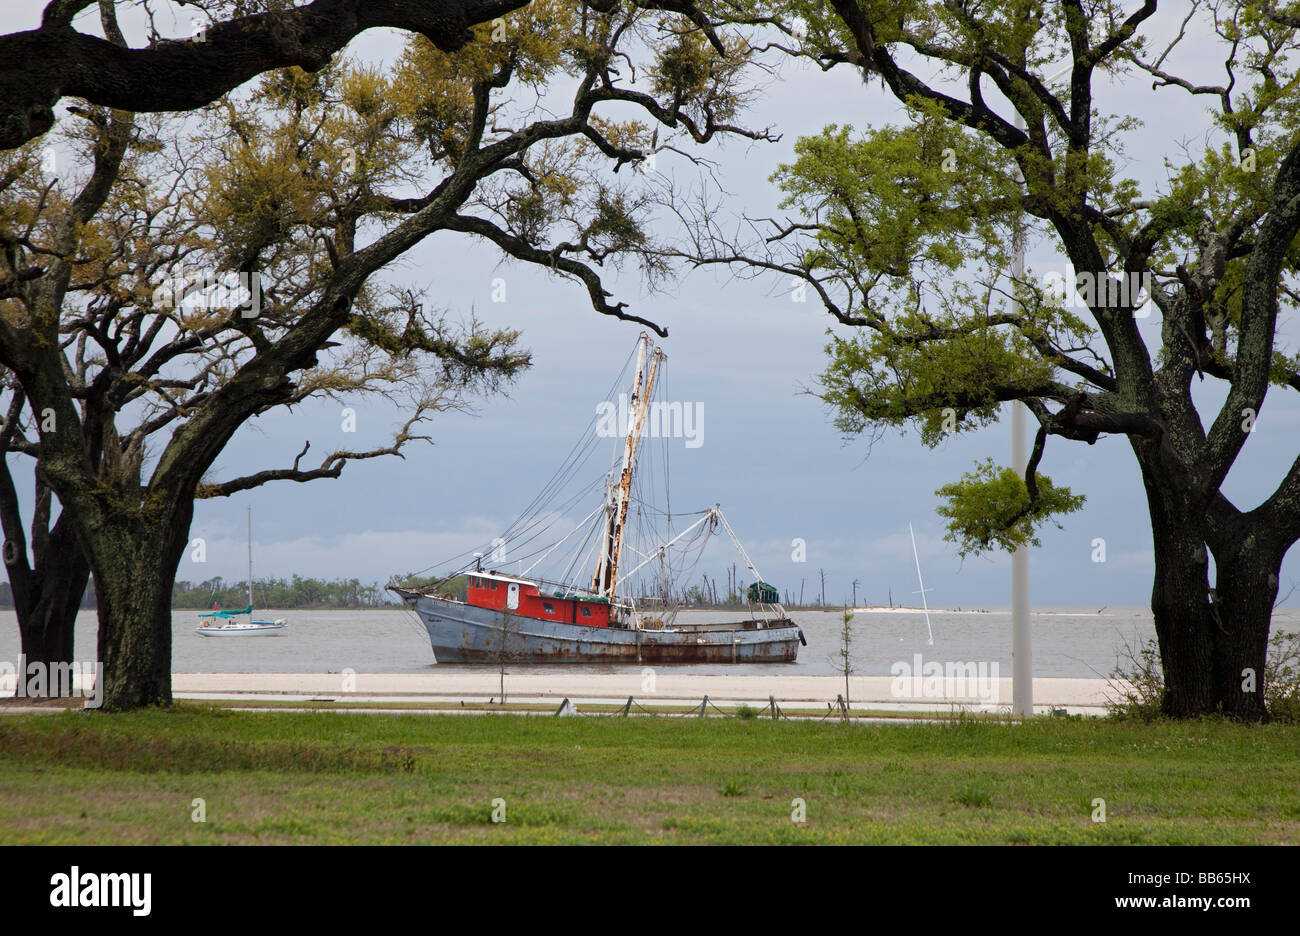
<point x="907" y="220"/>
<point x="297" y="592"/>
<point x="890" y="205"/>
<point x="689" y="72"/>
<point x="732" y="788"/>
<point x="975" y="797"/>
<point x="1282" y="677"/>
<point x="989" y="508"/>
<point x="1137" y="684"/>
<point x="893" y="375"/>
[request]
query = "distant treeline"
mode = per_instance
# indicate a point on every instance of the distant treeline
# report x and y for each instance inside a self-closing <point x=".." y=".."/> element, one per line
<point x="297" y="592"/>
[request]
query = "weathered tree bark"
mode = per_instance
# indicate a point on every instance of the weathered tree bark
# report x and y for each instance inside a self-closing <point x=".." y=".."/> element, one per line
<point x="1246" y="593"/>
<point x="1180" y="605"/>
<point x="47" y="594"/>
<point x="40" y="66"/>
<point x="47" y="613"/>
<point x="134" y="562"/>
<point x="1213" y="641"/>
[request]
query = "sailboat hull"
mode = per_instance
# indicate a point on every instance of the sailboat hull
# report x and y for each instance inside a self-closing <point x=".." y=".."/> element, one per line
<point x="463" y="633"/>
<point x="241" y="629"/>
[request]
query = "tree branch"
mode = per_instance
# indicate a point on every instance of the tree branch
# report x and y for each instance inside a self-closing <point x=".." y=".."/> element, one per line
<point x="41" y="66"/>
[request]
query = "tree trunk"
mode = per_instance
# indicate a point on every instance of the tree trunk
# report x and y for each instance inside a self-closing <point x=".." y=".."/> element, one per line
<point x="1213" y="643"/>
<point x="1180" y="597"/>
<point x="1247" y="588"/>
<point x="47" y="628"/>
<point x="1184" y="624"/>
<point x="47" y="599"/>
<point x="134" y="565"/>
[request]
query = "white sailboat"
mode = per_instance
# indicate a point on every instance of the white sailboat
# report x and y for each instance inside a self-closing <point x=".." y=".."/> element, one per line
<point x="218" y="623"/>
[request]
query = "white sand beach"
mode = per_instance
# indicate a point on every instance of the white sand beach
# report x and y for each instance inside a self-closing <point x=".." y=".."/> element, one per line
<point x="658" y="687"/>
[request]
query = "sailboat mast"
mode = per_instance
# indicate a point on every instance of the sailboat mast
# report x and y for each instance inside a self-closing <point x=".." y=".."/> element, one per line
<point x="637" y="423"/>
<point x="250" y="557"/>
<point x="600" y="578"/>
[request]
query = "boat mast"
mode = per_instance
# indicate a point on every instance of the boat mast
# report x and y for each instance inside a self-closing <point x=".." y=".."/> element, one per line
<point x="603" y="561"/>
<point x="629" y="462"/>
<point x="600" y="578"/>
<point x="250" y="557"/>
<point x="606" y="578"/>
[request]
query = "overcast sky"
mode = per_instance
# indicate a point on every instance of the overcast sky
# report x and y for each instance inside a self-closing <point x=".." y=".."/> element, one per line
<point x="745" y="352"/>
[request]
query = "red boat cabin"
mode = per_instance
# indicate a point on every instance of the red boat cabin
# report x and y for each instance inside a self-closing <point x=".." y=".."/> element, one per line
<point x="518" y="596"/>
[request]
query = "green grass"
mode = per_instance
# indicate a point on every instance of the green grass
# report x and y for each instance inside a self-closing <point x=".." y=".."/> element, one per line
<point x="83" y="777"/>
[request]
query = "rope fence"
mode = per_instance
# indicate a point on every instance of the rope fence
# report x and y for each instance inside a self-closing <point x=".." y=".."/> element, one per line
<point x="706" y="707"/>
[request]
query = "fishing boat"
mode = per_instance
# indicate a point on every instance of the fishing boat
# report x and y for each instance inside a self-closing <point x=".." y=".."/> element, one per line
<point x="601" y="616"/>
<point x="228" y="623"/>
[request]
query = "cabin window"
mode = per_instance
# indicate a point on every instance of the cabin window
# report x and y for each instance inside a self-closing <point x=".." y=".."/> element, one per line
<point x="586" y="612"/>
<point x="548" y="607"/>
<point x="494" y="586"/>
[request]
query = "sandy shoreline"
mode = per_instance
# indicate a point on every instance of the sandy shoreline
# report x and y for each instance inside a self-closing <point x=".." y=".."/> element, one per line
<point x="1075" y="695"/>
<point x="663" y="688"/>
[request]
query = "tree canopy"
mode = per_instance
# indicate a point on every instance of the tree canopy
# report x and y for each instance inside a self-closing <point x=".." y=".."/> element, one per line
<point x="905" y="233"/>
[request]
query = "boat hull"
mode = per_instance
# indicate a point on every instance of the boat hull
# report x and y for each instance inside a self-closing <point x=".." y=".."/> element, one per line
<point x="463" y="633"/>
<point x="257" y="629"/>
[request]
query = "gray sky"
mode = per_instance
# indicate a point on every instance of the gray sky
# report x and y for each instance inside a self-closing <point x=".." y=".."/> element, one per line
<point x="743" y="350"/>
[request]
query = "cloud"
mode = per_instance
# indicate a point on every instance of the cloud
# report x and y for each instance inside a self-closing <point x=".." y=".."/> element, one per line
<point x="367" y="555"/>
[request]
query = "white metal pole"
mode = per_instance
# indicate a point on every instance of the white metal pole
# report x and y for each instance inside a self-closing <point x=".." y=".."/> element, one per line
<point x="1022" y="652"/>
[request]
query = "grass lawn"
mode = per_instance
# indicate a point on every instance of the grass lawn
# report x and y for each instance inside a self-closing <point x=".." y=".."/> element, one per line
<point x="274" y="777"/>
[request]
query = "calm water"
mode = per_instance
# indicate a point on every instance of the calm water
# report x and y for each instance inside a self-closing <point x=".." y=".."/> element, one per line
<point x="1067" y="642"/>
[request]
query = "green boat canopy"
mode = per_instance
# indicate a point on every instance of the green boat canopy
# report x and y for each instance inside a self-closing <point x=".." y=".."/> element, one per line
<point x="228" y="612"/>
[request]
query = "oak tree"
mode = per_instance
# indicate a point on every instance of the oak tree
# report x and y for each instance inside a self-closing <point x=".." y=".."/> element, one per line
<point x="905" y="233"/>
<point x="310" y="184"/>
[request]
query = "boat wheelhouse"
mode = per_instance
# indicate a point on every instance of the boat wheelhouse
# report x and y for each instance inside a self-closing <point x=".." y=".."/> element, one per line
<point x="528" y="599"/>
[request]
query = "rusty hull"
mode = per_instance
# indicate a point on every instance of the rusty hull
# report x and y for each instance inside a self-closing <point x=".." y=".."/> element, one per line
<point x="464" y="633"/>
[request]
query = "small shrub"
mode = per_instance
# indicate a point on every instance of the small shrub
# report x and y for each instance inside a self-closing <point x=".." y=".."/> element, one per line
<point x="732" y="788"/>
<point x="746" y="712"/>
<point x="1282" y="676"/>
<point x="975" y="797"/>
<point x="1137" y="683"/>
